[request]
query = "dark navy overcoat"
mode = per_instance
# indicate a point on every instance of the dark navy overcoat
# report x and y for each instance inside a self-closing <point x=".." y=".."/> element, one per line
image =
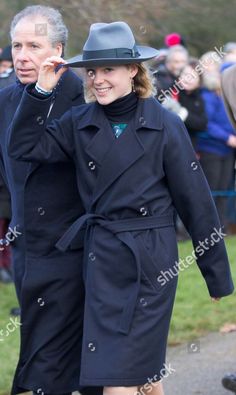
<point x="130" y="187"/>
<point x="45" y="201"/>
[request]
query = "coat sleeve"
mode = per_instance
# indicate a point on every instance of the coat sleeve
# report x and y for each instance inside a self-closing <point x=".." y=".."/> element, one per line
<point x="229" y="101"/>
<point x="193" y="201"/>
<point x="197" y="118"/>
<point x="31" y="140"/>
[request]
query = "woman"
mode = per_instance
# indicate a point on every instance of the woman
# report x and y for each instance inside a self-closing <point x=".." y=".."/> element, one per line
<point x="135" y="166"/>
<point x="195" y="118"/>
<point x="189" y="104"/>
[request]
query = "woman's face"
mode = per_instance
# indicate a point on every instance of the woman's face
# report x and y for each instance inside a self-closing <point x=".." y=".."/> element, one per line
<point x="111" y="82"/>
<point x="189" y="79"/>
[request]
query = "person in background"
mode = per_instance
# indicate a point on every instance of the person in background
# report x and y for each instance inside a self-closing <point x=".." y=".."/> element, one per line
<point x="230" y="52"/>
<point x="190" y="105"/>
<point x="228" y="84"/>
<point x="210" y="62"/>
<point x="217" y="144"/>
<point x="231" y="206"/>
<point x="190" y="108"/>
<point x="173" y="39"/>
<point x="7" y="74"/>
<point x="166" y="76"/>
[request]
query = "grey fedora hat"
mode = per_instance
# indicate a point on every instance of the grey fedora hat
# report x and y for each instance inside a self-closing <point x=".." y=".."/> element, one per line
<point x="111" y="44"/>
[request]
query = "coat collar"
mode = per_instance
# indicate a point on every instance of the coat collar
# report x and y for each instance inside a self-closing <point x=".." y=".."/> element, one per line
<point x="150" y="116"/>
<point x="115" y="156"/>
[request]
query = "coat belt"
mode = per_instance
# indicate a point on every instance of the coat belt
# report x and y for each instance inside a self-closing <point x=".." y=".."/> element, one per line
<point x="121" y="229"/>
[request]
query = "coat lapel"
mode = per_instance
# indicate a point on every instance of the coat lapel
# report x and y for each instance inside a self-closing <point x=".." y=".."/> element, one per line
<point x="123" y="153"/>
<point x="113" y="156"/>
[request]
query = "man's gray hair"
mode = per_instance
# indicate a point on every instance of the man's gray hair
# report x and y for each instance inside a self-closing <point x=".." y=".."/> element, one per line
<point x="57" y="32"/>
<point x="173" y="50"/>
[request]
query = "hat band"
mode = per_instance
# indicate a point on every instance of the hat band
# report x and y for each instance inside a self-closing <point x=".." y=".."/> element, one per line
<point x="114" y="53"/>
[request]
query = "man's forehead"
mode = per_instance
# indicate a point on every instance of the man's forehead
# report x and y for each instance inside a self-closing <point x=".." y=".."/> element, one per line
<point x="32" y="30"/>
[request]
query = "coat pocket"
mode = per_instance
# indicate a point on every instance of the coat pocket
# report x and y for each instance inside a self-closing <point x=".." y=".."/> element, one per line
<point x="158" y="251"/>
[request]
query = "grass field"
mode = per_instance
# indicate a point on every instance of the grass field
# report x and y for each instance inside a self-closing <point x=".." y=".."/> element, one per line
<point x="194" y="313"/>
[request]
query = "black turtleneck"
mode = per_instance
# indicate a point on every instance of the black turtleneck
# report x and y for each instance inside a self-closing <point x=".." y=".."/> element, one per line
<point x="123" y="109"/>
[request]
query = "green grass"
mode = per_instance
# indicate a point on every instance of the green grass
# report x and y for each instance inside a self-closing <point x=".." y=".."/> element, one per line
<point x="194" y="313"/>
<point x="10" y="344"/>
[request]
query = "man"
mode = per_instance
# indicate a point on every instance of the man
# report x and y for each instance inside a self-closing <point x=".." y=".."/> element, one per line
<point x="229" y="89"/>
<point x="45" y="201"/>
<point x="166" y="76"/>
<point x="7" y="77"/>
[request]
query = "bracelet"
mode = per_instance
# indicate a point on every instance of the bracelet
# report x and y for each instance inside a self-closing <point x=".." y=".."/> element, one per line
<point x="41" y="90"/>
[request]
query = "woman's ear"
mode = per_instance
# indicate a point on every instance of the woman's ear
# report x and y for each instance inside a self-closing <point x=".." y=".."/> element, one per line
<point x="133" y="68"/>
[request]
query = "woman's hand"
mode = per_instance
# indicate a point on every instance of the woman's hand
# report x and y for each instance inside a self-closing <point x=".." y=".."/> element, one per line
<point x="232" y="141"/>
<point x="48" y="76"/>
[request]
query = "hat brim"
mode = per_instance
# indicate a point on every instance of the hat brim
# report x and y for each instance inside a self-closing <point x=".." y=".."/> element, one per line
<point x="146" y="53"/>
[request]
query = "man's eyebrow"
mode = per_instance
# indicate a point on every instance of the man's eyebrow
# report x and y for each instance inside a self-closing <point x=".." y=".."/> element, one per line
<point x="27" y="42"/>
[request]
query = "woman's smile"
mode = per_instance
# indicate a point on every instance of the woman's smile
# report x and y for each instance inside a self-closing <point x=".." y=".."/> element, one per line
<point x="103" y="91"/>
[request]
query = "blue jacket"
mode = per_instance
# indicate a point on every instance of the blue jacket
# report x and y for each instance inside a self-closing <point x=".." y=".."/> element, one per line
<point x="219" y="128"/>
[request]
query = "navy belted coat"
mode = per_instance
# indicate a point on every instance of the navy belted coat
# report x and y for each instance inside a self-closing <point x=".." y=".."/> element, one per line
<point x="130" y="187"/>
<point x="45" y="201"/>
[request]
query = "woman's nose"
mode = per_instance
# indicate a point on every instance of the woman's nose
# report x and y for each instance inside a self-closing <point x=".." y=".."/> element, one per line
<point x="98" y="78"/>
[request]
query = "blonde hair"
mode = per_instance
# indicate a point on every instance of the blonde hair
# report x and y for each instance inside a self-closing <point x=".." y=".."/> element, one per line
<point x="143" y="84"/>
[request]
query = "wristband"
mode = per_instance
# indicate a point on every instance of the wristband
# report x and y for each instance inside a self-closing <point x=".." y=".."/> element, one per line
<point x="41" y="90"/>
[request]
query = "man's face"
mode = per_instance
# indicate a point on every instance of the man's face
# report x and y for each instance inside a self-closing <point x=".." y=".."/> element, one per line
<point x="177" y="63"/>
<point x="5" y="65"/>
<point x="30" y="47"/>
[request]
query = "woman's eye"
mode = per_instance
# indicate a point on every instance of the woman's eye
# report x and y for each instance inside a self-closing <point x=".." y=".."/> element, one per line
<point x="108" y="69"/>
<point x="91" y="74"/>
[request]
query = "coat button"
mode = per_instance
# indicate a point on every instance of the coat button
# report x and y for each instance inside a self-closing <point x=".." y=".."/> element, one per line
<point x="92" y="257"/>
<point x="194" y="166"/>
<point x="143" y="302"/>
<point x="40" y="120"/>
<point x="92" y="165"/>
<point x="143" y="211"/>
<point x="91" y="346"/>
<point x="39" y="391"/>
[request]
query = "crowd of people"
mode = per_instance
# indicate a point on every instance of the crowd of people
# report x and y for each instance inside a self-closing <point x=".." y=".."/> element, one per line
<point x="191" y="88"/>
<point x="186" y="86"/>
